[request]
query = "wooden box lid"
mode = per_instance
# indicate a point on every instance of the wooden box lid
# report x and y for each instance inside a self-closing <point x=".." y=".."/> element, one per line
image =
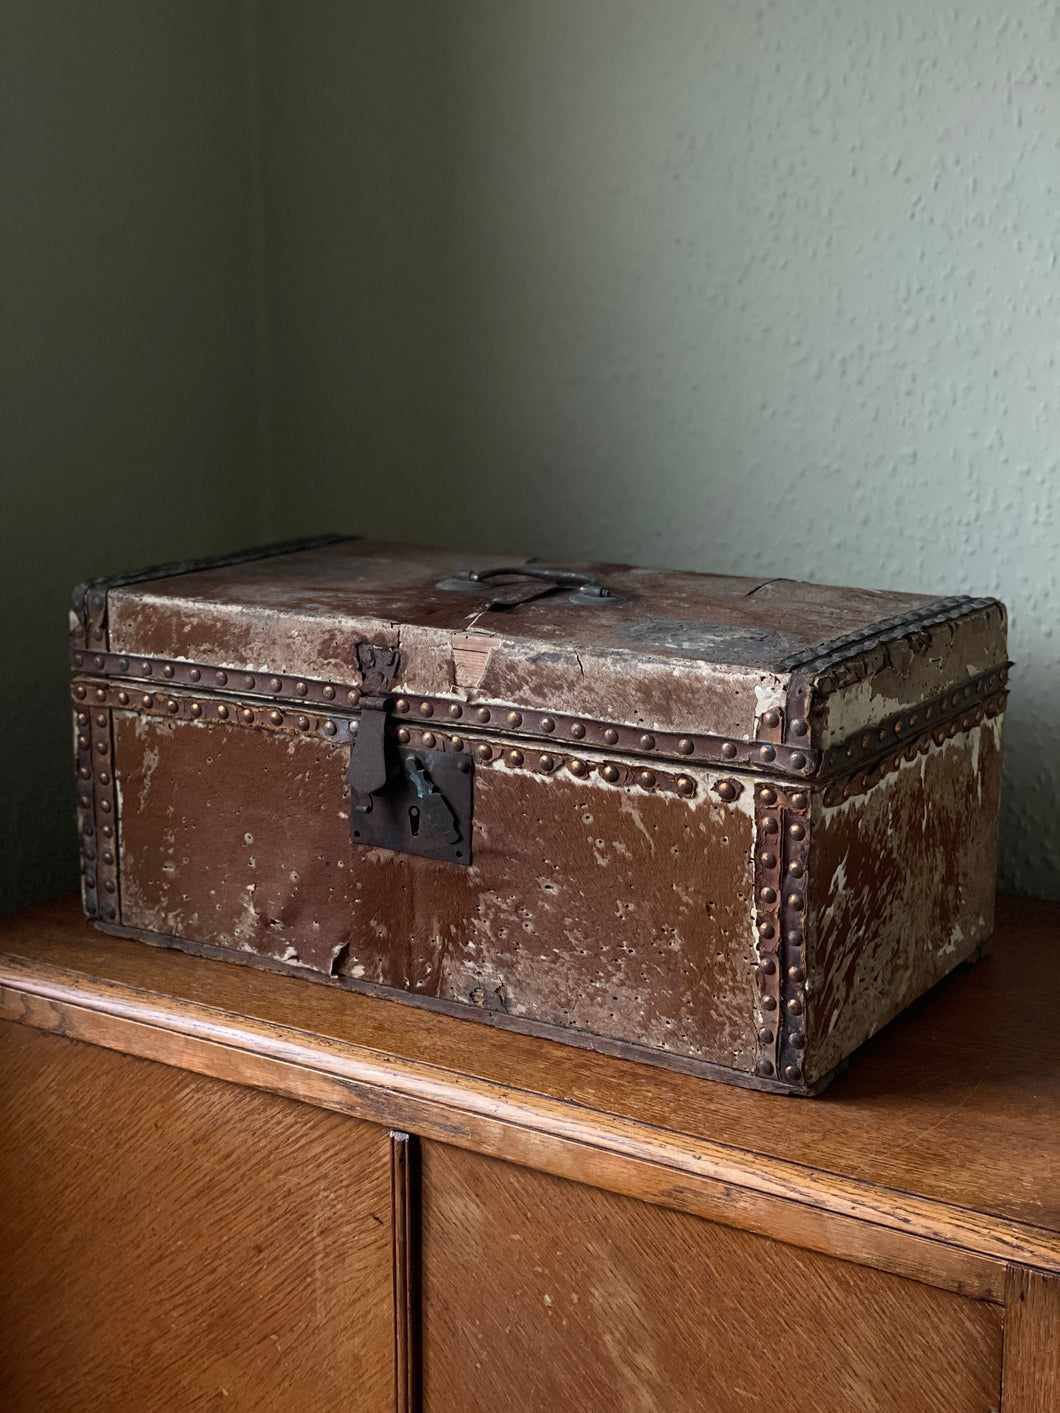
<point x="776" y="674"/>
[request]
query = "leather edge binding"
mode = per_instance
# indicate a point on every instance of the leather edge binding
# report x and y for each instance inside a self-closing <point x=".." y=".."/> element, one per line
<point x="849" y="646"/>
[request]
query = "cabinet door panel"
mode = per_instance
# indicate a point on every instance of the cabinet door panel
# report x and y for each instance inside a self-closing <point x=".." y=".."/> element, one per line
<point x="176" y="1242"/>
<point x="541" y="1296"/>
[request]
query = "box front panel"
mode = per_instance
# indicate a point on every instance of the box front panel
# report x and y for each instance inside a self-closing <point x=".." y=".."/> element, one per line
<point x="621" y="910"/>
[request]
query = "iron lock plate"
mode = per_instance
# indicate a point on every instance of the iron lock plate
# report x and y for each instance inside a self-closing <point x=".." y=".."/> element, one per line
<point x="423" y="807"/>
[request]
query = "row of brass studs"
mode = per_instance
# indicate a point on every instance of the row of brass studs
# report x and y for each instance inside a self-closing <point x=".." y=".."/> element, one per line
<point x="337" y="729"/>
<point x="901" y="726"/>
<point x="781" y="849"/>
<point x="795" y="833"/>
<point x="554" y="762"/>
<point x="208" y="679"/>
<point x="862" y="781"/>
<point x="627" y="739"/>
<point x="97" y="812"/>
<point x="798" y="760"/>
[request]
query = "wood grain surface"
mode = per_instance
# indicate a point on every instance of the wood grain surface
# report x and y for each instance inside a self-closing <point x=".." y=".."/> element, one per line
<point x="542" y="1295"/>
<point x="1031" y="1376"/>
<point x="906" y="1163"/>
<point x="174" y="1242"/>
<point x="951" y="1247"/>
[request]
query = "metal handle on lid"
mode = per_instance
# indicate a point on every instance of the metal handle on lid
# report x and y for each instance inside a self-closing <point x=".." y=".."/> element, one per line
<point x="560" y="577"/>
<point x="589" y="589"/>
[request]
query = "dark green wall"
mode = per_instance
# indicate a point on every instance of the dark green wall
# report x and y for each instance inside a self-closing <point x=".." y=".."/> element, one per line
<point x="128" y="408"/>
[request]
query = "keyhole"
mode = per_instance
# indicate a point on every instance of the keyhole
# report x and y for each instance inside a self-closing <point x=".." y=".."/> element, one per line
<point x="414" y="820"/>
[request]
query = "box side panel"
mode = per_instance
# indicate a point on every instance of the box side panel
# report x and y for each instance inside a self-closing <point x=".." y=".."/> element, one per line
<point x="614" y="910"/>
<point x="908" y="669"/>
<point x="902" y="887"/>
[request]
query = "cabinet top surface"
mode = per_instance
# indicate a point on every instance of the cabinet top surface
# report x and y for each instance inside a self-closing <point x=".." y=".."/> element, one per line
<point x="957" y="1101"/>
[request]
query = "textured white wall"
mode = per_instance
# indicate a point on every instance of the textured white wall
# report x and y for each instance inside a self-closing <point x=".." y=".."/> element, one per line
<point x="744" y="287"/>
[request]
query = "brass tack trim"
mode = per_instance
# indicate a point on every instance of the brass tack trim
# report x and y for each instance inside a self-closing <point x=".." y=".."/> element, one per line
<point x="787" y="760"/>
<point x="629" y="739"/>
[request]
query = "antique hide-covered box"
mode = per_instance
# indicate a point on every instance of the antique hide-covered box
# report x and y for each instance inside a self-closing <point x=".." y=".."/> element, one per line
<point x="728" y="825"/>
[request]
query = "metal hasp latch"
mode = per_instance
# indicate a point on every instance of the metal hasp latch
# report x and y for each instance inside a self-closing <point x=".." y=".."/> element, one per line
<point x="410" y="801"/>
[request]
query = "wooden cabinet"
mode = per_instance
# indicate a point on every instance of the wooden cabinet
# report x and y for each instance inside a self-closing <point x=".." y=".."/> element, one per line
<point x="543" y="1293"/>
<point x="175" y="1241"/>
<point x="209" y="1199"/>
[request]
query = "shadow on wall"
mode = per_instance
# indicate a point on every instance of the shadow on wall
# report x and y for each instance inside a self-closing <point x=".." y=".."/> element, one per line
<point x="127" y="369"/>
